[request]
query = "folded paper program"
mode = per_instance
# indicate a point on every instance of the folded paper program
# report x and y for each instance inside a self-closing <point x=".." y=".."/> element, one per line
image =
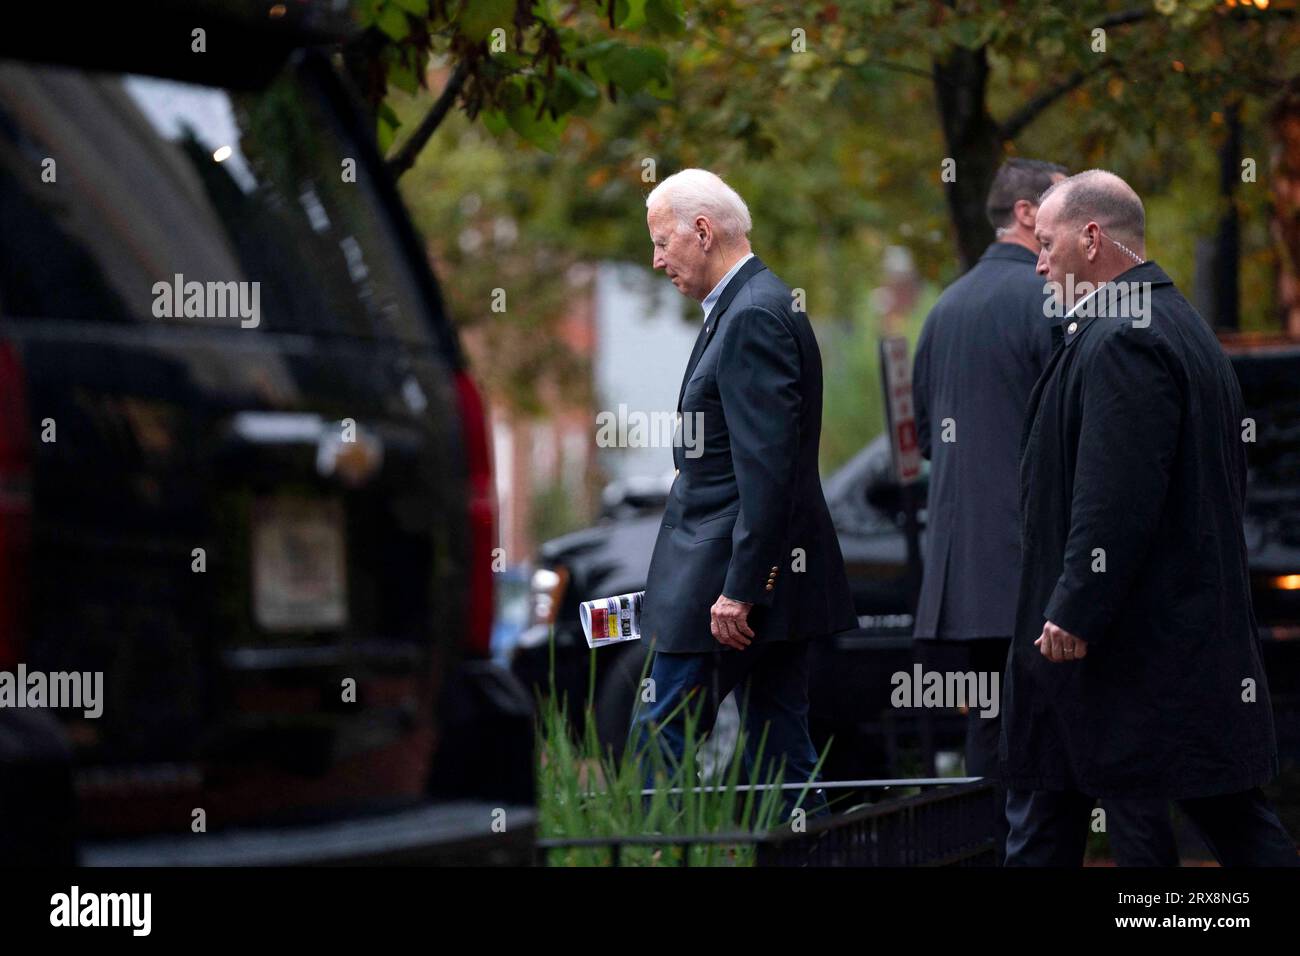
<point x="612" y="620"/>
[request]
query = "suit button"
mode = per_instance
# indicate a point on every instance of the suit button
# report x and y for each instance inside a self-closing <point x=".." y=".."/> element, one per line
<point x="774" y="569"/>
<point x="770" y="586"/>
<point x="1072" y="327"/>
<point x="676" y="472"/>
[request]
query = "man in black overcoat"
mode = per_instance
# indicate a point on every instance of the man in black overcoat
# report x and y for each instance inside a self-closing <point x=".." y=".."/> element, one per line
<point x="981" y="350"/>
<point x="1135" y="669"/>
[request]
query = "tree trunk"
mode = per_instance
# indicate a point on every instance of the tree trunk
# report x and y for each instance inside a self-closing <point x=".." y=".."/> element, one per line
<point x="972" y="139"/>
<point x="1218" y="260"/>
<point x="1285" y="123"/>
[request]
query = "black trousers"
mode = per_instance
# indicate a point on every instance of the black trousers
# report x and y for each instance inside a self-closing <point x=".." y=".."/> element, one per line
<point x="1050" y="828"/>
<point x="1140" y="831"/>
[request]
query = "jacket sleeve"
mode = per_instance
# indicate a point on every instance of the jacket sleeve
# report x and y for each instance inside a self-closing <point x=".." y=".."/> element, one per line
<point x="921" y="391"/>
<point x="759" y="381"/>
<point x="1132" y="413"/>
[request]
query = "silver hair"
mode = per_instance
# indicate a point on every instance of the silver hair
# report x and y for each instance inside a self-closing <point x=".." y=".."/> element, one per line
<point x="698" y="192"/>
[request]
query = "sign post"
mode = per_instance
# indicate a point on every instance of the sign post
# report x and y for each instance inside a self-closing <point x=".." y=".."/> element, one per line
<point x="900" y="416"/>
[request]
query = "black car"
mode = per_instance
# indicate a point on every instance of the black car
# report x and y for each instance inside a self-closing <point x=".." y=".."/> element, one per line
<point x="849" y="686"/>
<point x="244" y="471"/>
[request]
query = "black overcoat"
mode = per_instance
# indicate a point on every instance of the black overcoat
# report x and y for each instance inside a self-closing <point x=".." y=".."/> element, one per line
<point x="1132" y="484"/>
<point x="981" y="350"/>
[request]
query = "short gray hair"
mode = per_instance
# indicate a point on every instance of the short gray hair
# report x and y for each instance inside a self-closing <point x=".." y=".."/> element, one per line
<point x="698" y="192"/>
<point x="1100" y="195"/>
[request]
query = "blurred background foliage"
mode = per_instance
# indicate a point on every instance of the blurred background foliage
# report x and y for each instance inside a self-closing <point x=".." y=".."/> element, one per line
<point x="832" y="120"/>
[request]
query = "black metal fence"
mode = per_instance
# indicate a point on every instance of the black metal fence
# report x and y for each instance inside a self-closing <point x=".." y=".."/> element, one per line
<point x="951" y="824"/>
<point x="947" y="826"/>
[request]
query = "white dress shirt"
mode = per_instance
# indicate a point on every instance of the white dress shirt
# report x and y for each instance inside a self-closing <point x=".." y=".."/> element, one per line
<point x="711" y="299"/>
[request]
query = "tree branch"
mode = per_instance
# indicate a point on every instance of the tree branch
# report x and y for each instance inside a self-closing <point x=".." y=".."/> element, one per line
<point x="404" y="158"/>
<point x="1030" y="111"/>
<point x="1123" y="17"/>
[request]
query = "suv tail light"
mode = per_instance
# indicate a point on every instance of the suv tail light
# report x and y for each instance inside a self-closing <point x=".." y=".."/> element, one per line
<point x="482" y="517"/>
<point x="15" y="506"/>
<point x="546" y="589"/>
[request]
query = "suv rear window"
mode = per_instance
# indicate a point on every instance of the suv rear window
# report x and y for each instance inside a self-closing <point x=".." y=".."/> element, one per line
<point x="135" y="199"/>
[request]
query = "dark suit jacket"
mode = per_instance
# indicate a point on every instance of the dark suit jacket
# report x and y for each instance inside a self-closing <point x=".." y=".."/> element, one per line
<point x="1133" y="455"/>
<point x="747" y="518"/>
<point x="982" y="348"/>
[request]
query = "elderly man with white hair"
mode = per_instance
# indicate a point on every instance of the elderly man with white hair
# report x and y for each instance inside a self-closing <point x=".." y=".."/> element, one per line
<point x="747" y="566"/>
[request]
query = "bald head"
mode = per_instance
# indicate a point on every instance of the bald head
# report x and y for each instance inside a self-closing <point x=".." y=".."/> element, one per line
<point x="1101" y="197"/>
<point x="1090" y="228"/>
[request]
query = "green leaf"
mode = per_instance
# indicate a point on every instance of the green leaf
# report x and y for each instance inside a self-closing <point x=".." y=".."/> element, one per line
<point x="403" y="77"/>
<point x="542" y="131"/>
<point x="660" y="89"/>
<point x="969" y="34"/>
<point x="630" y="14"/>
<point x="419" y="8"/>
<point x="393" y="22"/>
<point x="495" y="121"/>
<point x="594" y="51"/>
<point x="631" y="68"/>
<point x="386" y="127"/>
<point x="665" y="16"/>
<point x="573" y="91"/>
<point x="478" y="18"/>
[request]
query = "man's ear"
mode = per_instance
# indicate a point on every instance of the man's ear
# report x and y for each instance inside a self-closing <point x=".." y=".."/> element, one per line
<point x="1026" y="213"/>
<point x="1091" y="241"/>
<point x="703" y="231"/>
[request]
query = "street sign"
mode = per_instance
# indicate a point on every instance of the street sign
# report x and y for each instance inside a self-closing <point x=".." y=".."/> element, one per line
<point x="897" y="380"/>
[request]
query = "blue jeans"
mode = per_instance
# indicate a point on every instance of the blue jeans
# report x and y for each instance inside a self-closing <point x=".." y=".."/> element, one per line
<point x="774" y="696"/>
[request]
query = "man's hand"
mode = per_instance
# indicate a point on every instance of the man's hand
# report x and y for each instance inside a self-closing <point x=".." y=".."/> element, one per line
<point x="1059" y="646"/>
<point x="729" y="622"/>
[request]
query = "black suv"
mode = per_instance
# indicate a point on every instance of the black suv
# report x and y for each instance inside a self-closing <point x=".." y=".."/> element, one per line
<point x="244" y="472"/>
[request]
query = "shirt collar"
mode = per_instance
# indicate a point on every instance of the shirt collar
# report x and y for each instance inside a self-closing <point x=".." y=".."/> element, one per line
<point x="712" y="298"/>
<point x="1075" y="308"/>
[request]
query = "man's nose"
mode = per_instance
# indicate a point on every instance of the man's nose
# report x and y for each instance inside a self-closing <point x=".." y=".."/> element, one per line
<point x="1041" y="266"/>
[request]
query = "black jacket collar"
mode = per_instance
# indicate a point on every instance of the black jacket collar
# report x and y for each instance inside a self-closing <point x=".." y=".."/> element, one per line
<point x="1146" y="272"/>
<point x="1009" y="250"/>
<point x="752" y="267"/>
